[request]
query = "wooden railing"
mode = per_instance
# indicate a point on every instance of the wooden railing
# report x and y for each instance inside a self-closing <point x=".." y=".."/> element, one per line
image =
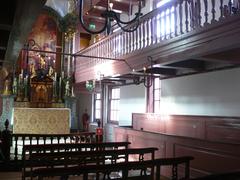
<point x="171" y="20"/>
<point x="19" y="140"/>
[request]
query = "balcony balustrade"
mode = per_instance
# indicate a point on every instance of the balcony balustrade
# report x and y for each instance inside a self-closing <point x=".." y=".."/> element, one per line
<point x="171" y="20"/>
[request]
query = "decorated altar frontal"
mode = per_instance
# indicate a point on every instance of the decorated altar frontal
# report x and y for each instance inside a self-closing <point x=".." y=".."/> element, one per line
<point x="41" y="120"/>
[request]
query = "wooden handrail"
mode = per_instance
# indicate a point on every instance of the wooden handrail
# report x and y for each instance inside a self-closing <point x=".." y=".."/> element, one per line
<point x="48" y="139"/>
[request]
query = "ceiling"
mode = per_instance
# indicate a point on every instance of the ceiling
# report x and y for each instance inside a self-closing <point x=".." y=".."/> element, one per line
<point x="93" y="10"/>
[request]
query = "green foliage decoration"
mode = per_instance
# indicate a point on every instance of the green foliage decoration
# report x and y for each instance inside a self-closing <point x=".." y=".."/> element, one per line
<point x="68" y="24"/>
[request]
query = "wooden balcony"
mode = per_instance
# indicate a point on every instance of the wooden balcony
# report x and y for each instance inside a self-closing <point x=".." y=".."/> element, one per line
<point x="183" y="37"/>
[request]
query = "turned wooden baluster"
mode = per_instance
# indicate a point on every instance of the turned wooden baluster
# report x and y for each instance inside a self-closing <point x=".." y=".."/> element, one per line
<point x="140" y="35"/>
<point x="98" y="50"/>
<point x="170" y="23"/>
<point x="175" y="19"/>
<point x="199" y="17"/>
<point x="108" y="48"/>
<point x="121" y="44"/>
<point x="165" y="17"/>
<point x="213" y="12"/>
<point x="44" y="139"/>
<point x="144" y="34"/>
<point x="126" y="40"/>
<point x="181" y="16"/>
<point x="51" y="139"/>
<point x="112" y="47"/>
<point x="206" y="12"/>
<point x="136" y="38"/>
<point x="65" y="139"/>
<point x="148" y="32"/>
<point x="23" y="140"/>
<point x="105" y="48"/>
<point x="128" y="36"/>
<point x="115" y="46"/>
<point x="230" y="6"/>
<point x="30" y="139"/>
<point x="154" y="29"/>
<point x="16" y="148"/>
<point x="159" y="27"/>
<point x="186" y="14"/>
<point x="192" y="14"/>
<point x="133" y="40"/>
<point x="131" y="34"/>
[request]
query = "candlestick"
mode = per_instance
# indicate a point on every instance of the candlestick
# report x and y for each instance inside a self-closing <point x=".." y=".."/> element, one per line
<point x="55" y="76"/>
<point x="54" y="61"/>
<point x="60" y="90"/>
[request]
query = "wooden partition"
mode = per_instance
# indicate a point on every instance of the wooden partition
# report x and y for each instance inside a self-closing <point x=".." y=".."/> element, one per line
<point x="214" y="142"/>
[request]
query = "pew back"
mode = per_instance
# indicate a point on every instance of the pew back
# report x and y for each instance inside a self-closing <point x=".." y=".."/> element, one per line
<point x="52" y="154"/>
<point x="124" y="167"/>
<point x="20" y="140"/>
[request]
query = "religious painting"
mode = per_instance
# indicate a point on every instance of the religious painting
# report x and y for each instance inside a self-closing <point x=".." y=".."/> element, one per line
<point x="42" y="37"/>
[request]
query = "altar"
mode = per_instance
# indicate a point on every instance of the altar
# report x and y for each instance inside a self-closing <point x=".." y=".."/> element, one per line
<point x="41" y="120"/>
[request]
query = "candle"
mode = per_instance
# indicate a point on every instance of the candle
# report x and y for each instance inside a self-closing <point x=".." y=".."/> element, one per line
<point x="26" y="79"/>
<point x="55" y="76"/>
<point x="54" y="63"/>
<point x="19" y="79"/>
<point x="60" y="81"/>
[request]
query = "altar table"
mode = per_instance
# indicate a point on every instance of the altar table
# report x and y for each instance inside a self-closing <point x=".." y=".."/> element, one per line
<point x="41" y="120"/>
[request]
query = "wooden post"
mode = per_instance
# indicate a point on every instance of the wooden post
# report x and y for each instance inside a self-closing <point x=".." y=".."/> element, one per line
<point x="6" y="141"/>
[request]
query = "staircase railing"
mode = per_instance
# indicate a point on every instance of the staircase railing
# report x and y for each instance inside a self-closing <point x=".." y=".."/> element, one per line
<point x="171" y="20"/>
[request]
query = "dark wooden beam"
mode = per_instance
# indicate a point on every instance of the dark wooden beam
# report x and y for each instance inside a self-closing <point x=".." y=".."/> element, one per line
<point x="3" y="48"/>
<point x="163" y="71"/>
<point x="196" y="65"/>
<point x="5" y="27"/>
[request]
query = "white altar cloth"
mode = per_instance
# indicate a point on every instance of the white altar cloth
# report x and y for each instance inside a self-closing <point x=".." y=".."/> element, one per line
<point x="41" y="120"/>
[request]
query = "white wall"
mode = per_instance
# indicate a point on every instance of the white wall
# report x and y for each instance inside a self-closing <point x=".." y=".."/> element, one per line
<point x="132" y="100"/>
<point x="215" y="93"/>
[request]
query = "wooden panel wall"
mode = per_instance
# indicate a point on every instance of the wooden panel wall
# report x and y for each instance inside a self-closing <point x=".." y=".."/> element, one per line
<point x="213" y="141"/>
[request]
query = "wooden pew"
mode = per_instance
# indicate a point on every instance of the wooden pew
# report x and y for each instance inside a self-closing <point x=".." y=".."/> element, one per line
<point x="106" y="169"/>
<point x="20" y="140"/>
<point x="31" y="151"/>
<point x="80" y="158"/>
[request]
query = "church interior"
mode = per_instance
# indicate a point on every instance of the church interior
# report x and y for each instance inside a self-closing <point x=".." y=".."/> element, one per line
<point x="120" y="89"/>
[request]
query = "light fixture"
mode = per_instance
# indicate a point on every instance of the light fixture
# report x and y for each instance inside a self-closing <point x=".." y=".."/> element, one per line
<point x="148" y="79"/>
<point x="110" y="15"/>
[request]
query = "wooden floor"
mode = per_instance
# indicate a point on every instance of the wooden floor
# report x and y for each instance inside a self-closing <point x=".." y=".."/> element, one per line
<point x="10" y="175"/>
